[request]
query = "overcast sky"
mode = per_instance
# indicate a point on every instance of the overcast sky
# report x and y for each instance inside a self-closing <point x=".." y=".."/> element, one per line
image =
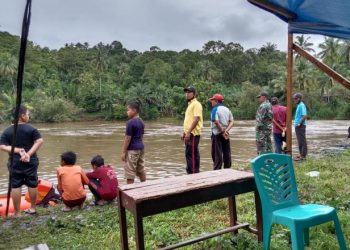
<point x="140" y="24"/>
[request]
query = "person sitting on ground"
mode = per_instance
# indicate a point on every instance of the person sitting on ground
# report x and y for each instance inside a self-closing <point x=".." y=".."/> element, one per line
<point x="103" y="181"/>
<point x="71" y="180"/>
<point x="133" y="148"/>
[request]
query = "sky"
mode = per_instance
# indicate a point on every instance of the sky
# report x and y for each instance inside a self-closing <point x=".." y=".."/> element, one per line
<point x="140" y="24"/>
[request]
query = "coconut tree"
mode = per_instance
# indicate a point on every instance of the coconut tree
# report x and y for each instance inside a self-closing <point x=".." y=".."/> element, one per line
<point x="8" y="68"/>
<point x="330" y="51"/>
<point x="345" y="51"/>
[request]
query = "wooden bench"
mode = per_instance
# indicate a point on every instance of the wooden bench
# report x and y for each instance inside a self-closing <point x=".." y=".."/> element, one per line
<point x="157" y="196"/>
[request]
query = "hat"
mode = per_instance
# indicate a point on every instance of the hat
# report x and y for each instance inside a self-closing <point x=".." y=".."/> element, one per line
<point x="217" y="97"/>
<point x="190" y="89"/>
<point x="297" y="95"/>
<point x="263" y="94"/>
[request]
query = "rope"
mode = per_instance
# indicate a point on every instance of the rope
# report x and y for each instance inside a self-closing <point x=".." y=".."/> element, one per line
<point x="22" y="54"/>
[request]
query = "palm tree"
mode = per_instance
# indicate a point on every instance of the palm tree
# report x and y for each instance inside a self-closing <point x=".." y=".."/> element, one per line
<point x="345" y="51"/>
<point x="101" y="64"/>
<point x="8" y="68"/>
<point x="304" y="43"/>
<point x="330" y="51"/>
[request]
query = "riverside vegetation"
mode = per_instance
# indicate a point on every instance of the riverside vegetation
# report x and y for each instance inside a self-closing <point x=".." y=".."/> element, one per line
<point x="98" y="227"/>
<point x="79" y="81"/>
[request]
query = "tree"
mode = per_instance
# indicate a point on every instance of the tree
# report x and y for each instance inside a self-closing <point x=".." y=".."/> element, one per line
<point x="100" y="63"/>
<point x="330" y="51"/>
<point x="8" y="68"/>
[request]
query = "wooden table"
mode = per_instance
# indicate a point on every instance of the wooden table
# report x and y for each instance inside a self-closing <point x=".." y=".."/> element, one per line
<point x="157" y="196"/>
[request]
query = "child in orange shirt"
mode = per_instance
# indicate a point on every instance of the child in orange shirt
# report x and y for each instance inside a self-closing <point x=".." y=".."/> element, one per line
<point x="71" y="181"/>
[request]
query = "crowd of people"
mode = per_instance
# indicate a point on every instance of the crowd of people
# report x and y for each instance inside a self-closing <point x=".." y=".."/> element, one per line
<point x="102" y="181"/>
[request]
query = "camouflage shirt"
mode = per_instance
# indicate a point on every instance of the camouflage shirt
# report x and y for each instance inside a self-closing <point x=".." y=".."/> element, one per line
<point x="264" y="117"/>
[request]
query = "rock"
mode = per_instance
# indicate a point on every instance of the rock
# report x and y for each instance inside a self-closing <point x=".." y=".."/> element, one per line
<point x="38" y="247"/>
<point x="313" y="174"/>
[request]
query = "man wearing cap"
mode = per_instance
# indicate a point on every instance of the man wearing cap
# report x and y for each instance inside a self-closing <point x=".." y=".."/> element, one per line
<point x="300" y="126"/>
<point x="193" y="124"/>
<point x="279" y="124"/>
<point x="221" y="123"/>
<point x="263" y="129"/>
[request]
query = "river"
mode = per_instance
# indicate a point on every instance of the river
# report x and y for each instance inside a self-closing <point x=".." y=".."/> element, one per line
<point x="164" y="149"/>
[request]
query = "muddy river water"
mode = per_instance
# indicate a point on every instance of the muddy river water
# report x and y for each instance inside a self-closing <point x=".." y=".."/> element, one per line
<point x="164" y="149"/>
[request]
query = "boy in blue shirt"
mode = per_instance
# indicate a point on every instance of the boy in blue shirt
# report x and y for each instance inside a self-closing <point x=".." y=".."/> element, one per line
<point x="300" y="126"/>
<point x="133" y="148"/>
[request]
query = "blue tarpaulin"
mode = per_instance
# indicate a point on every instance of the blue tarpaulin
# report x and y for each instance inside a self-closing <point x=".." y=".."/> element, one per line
<point x="324" y="17"/>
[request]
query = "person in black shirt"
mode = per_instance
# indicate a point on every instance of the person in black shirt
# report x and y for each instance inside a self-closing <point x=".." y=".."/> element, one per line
<point x="25" y="159"/>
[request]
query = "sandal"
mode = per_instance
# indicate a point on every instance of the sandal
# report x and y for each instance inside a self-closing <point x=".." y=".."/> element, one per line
<point x="30" y="212"/>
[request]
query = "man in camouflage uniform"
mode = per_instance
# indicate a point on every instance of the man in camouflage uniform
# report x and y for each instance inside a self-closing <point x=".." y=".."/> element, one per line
<point x="264" y="118"/>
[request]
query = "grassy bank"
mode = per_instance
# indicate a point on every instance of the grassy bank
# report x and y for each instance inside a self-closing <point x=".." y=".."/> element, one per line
<point x="97" y="227"/>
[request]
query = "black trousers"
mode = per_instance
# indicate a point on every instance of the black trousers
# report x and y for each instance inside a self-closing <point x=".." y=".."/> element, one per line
<point x="192" y="155"/>
<point x="220" y="151"/>
<point x="301" y="138"/>
<point x="93" y="186"/>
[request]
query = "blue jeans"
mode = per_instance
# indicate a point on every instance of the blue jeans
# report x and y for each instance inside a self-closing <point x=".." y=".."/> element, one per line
<point x="277" y="137"/>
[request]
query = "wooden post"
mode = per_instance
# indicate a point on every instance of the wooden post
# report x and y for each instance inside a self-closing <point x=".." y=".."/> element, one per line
<point x="289" y="92"/>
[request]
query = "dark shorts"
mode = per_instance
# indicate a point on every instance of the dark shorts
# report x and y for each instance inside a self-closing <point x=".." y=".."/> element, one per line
<point x="74" y="203"/>
<point x="25" y="174"/>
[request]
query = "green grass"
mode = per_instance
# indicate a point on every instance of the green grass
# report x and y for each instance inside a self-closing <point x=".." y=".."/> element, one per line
<point x="98" y="228"/>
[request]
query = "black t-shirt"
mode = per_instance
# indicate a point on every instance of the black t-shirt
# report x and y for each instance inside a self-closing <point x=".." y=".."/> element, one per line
<point x="26" y="136"/>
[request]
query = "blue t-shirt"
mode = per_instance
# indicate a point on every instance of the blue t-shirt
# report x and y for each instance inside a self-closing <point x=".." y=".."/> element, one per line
<point x="299" y="113"/>
<point x="135" y="128"/>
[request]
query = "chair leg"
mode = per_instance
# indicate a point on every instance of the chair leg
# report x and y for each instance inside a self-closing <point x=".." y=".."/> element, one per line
<point x="306" y="237"/>
<point x="339" y="232"/>
<point x="267" y="226"/>
<point x="297" y="238"/>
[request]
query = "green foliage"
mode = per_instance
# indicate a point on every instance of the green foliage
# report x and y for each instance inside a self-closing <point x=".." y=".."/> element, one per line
<point x="100" y="80"/>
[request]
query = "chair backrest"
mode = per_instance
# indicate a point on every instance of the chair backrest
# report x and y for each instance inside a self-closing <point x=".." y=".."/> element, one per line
<point x="275" y="180"/>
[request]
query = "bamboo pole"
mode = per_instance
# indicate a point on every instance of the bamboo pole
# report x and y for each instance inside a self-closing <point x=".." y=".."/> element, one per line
<point x="289" y="91"/>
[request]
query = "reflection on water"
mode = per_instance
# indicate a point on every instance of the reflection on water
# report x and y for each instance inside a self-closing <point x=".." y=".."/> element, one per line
<point x="164" y="150"/>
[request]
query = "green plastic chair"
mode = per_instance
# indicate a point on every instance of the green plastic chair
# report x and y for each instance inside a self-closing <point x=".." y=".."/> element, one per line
<point x="275" y="180"/>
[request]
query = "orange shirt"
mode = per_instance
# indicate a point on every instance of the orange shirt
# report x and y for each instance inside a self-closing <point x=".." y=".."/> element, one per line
<point x="71" y="181"/>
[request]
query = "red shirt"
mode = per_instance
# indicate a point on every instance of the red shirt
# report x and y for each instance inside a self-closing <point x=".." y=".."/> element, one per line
<point x="280" y="116"/>
<point x="108" y="180"/>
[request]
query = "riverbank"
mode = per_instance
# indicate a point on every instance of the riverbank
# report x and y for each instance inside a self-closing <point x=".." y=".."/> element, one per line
<point x="98" y="228"/>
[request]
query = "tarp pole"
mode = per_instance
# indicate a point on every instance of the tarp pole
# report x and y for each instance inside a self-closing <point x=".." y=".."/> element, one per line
<point x="289" y="92"/>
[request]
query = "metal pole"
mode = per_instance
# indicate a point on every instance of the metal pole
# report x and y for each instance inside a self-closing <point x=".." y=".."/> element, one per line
<point x="289" y="92"/>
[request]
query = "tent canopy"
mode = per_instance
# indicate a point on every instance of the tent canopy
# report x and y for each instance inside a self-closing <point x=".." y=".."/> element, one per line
<point x="324" y="17"/>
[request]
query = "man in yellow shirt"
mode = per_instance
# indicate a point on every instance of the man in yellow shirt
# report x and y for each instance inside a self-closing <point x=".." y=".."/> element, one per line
<point x="193" y="124"/>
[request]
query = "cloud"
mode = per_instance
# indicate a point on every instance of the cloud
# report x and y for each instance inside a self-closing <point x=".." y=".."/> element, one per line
<point x="139" y="24"/>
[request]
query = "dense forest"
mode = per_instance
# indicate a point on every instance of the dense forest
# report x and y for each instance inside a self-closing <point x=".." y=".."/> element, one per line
<point x="79" y="80"/>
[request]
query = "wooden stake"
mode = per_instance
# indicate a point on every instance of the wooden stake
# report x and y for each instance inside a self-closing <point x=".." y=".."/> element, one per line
<point x="289" y="92"/>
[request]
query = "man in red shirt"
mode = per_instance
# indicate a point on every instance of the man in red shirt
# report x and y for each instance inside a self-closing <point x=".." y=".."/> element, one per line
<point x="279" y="124"/>
<point x="103" y="181"/>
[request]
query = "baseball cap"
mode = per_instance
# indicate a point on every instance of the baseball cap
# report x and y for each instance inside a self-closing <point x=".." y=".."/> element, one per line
<point x="217" y="97"/>
<point x="190" y="89"/>
<point x="263" y="94"/>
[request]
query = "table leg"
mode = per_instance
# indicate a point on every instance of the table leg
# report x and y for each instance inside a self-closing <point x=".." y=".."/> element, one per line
<point x="233" y="212"/>
<point x="122" y="224"/>
<point x="259" y="218"/>
<point x="140" y="244"/>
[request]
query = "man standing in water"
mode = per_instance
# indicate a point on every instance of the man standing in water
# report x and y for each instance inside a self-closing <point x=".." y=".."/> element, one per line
<point x="25" y="160"/>
<point x="279" y="124"/>
<point x="300" y="126"/>
<point x="263" y="127"/>
<point x="221" y="123"/>
<point x="193" y="124"/>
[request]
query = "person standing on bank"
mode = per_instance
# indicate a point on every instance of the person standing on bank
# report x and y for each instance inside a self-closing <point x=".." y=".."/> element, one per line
<point x="193" y="124"/>
<point x="300" y="126"/>
<point x="221" y="123"/>
<point x="25" y="159"/>
<point x="279" y="124"/>
<point x="263" y="127"/>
